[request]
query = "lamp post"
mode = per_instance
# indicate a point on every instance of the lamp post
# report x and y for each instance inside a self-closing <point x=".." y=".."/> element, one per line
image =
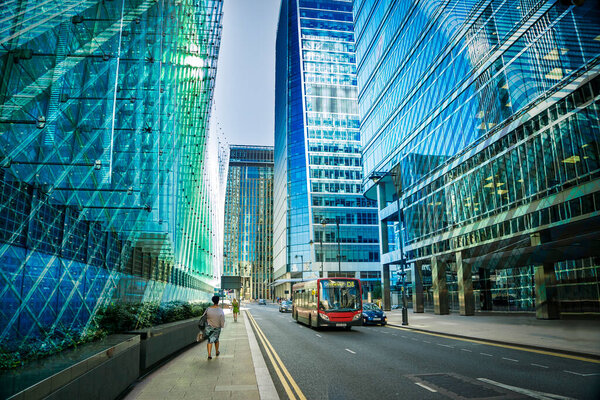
<point x="311" y="243"/>
<point x="323" y="223"/>
<point x="302" y="269"/>
<point x="339" y="255"/>
<point x="376" y="177"/>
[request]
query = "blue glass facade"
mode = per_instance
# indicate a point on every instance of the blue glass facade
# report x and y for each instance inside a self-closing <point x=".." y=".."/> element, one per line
<point x="480" y="127"/>
<point x="105" y="186"/>
<point x="317" y="147"/>
<point x="248" y="234"/>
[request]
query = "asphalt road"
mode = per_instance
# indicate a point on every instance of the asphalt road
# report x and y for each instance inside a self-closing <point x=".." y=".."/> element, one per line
<point x="374" y="362"/>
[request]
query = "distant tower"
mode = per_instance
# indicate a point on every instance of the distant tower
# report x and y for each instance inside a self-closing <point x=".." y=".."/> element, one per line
<point x="248" y="235"/>
<point x="317" y="150"/>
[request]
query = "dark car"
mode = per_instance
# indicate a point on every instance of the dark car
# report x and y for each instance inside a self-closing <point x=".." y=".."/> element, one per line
<point x="372" y="314"/>
<point x="285" y="306"/>
<point x="262" y="302"/>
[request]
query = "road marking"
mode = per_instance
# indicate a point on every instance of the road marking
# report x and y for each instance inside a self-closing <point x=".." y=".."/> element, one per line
<point x="350" y="351"/>
<point x="515" y="347"/>
<point x="445" y="345"/>
<point x="526" y="392"/>
<point x="486" y="354"/>
<point x="426" y="387"/>
<point x="510" y="359"/>
<point x="580" y="374"/>
<point x="427" y="341"/>
<point x="467" y="350"/>
<point x="318" y="335"/>
<point x="278" y="365"/>
<point x="539" y="365"/>
<point x="393" y="334"/>
<point x="416" y="340"/>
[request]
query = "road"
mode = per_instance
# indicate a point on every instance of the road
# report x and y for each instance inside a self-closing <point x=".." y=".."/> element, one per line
<point x="373" y="362"/>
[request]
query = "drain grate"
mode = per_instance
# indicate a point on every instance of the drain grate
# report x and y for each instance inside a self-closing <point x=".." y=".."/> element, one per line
<point x="460" y="387"/>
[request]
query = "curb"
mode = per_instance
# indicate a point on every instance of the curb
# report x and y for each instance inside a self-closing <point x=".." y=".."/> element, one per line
<point x="524" y="346"/>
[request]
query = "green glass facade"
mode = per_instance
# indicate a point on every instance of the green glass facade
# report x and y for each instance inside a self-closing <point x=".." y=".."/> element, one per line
<point x="107" y="190"/>
<point x="480" y="130"/>
<point x="248" y="234"/>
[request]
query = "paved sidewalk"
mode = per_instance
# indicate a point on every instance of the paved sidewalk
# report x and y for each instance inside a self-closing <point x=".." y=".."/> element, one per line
<point x="236" y="374"/>
<point x="570" y="336"/>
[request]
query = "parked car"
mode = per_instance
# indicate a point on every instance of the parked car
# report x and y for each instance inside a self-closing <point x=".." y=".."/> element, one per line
<point x="372" y="314"/>
<point x="285" y="306"/>
<point x="262" y="302"/>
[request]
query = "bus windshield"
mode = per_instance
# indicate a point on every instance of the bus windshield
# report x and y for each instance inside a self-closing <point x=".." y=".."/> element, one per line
<point x="339" y="295"/>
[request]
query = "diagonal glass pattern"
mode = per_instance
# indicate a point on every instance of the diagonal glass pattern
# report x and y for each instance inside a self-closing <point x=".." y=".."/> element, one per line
<point x="110" y="183"/>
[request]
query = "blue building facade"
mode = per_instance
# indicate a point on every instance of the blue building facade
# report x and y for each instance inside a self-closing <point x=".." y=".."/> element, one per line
<point x="479" y="125"/>
<point x="106" y="181"/>
<point x="323" y="225"/>
<point x="248" y="233"/>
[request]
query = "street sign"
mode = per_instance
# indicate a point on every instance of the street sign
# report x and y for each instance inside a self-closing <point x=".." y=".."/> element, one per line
<point x="231" y="282"/>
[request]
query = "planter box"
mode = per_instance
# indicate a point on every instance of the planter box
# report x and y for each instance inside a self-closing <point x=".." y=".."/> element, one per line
<point x="101" y="370"/>
<point x="103" y="375"/>
<point x="159" y="342"/>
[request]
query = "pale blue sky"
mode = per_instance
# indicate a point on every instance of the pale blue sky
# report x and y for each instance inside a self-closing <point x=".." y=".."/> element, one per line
<point x="244" y="92"/>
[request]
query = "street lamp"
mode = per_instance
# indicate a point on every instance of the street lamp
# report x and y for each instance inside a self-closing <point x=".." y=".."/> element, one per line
<point x="375" y="178"/>
<point x="311" y="243"/>
<point x="324" y="222"/>
<point x="339" y="255"/>
<point x="302" y="269"/>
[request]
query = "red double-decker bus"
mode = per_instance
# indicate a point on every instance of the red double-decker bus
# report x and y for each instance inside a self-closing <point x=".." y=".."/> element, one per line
<point x="328" y="302"/>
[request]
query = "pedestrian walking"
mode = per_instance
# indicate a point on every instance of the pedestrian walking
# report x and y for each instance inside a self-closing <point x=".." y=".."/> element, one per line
<point x="236" y="309"/>
<point x="215" y="319"/>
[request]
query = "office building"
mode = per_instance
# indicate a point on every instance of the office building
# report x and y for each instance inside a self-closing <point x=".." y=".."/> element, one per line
<point x="480" y="129"/>
<point x="248" y="233"/>
<point x="107" y="191"/>
<point x="323" y="226"/>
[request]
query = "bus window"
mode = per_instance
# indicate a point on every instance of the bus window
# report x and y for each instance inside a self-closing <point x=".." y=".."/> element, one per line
<point x="339" y="295"/>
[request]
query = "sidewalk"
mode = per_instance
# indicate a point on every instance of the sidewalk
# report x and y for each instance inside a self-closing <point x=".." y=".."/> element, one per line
<point x="569" y="336"/>
<point x="238" y="373"/>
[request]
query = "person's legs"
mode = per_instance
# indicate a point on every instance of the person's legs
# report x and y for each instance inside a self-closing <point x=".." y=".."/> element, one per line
<point x="217" y="347"/>
<point x="209" y="348"/>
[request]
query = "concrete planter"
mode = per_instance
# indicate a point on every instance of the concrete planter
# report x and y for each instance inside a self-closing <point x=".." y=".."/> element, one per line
<point x="159" y="342"/>
<point x="104" y="375"/>
<point x="106" y="369"/>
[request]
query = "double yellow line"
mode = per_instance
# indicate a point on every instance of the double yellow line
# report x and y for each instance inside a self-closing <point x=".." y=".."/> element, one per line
<point x="289" y="384"/>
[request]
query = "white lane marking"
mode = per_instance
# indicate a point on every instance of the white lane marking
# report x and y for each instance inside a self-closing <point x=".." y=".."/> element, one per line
<point x="467" y="350"/>
<point x="580" y="374"/>
<point x="393" y="334"/>
<point x="427" y="341"/>
<point x="445" y="345"/>
<point x="350" y="351"/>
<point x="416" y="340"/>
<point x="539" y="365"/>
<point x="527" y="392"/>
<point x="510" y="359"/>
<point x="486" y="354"/>
<point x="318" y="335"/>
<point x="426" y="387"/>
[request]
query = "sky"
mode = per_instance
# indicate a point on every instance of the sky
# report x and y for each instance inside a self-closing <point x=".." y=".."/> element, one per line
<point x="245" y="86"/>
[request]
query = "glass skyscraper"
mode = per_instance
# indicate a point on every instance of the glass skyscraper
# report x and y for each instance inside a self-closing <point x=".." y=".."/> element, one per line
<point x="108" y="189"/>
<point x="322" y="221"/>
<point x="480" y="132"/>
<point x="248" y="234"/>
